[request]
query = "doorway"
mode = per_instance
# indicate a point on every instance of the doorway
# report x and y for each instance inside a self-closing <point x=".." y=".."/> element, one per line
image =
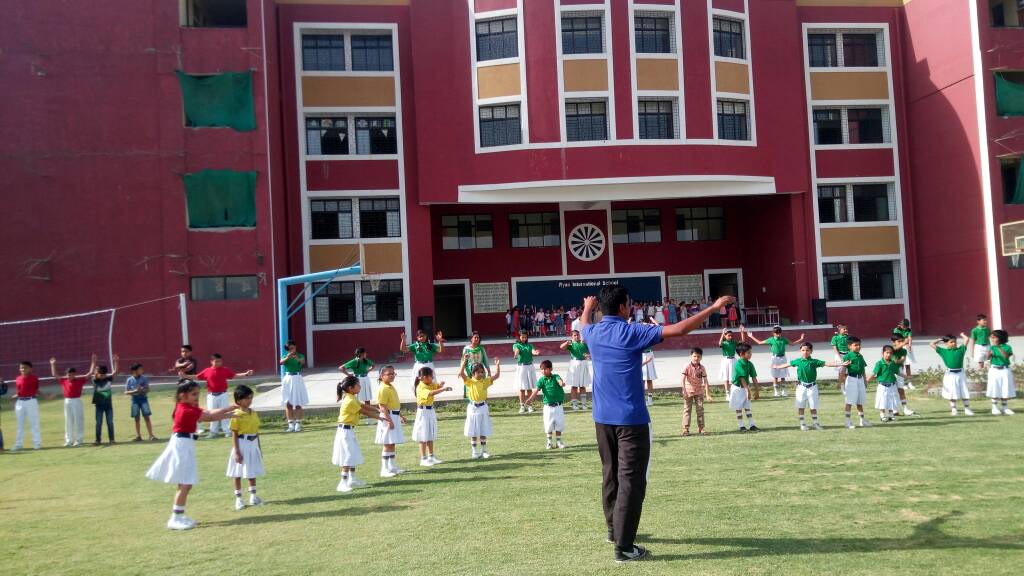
<point x="724" y="282"/>
<point x="451" y="309"/>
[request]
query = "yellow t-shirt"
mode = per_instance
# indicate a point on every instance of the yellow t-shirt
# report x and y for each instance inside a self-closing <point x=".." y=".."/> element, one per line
<point x="349" y="413"/>
<point x="388" y="396"/>
<point x="245" y="423"/>
<point x="423" y="396"/>
<point x="477" y="389"/>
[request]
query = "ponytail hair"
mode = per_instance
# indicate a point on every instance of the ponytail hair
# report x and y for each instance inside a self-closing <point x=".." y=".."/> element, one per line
<point x="424" y="371"/>
<point x="346" y="385"/>
<point x="184" y="387"/>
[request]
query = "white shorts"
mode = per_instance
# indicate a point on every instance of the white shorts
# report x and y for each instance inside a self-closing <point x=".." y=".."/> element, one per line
<point x="177" y="463"/>
<point x="910" y="357"/>
<point x="554" y="419"/>
<point x="738" y="398"/>
<point x="726" y="368"/>
<point x="579" y="373"/>
<point x="780" y="372"/>
<point x="478" y="420"/>
<point x="526" y="376"/>
<point x="346" y="449"/>
<point x="980" y="353"/>
<point x="840" y="370"/>
<point x="252" y="460"/>
<point x="856" y="391"/>
<point x="293" y="391"/>
<point x="807" y="396"/>
<point x="648" y="370"/>
<point x="367" y="390"/>
<point x="387" y="435"/>
<point x="424" y="429"/>
<point x="954" y="386"/>
<point x="900" y="382"/>
<point x="887" y="398"/>
<point x="1000" y="383"/>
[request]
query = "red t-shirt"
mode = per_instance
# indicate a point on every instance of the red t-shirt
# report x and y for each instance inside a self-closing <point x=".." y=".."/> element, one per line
<point x="27" y="386"/>
<point x="186" y="417"/>
<point x="216" y="378"/>
<point x="72" y="387"/>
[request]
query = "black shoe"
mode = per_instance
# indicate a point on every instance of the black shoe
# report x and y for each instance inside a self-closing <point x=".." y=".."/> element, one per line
<point x="611" y="537"/>
<point x="637" y="553"/>
<point x="742" y="429"/>
<point x="755" y="429"/>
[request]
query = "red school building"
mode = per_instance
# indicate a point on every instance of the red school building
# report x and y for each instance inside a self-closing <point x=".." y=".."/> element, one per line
<point x="474" y="155"/>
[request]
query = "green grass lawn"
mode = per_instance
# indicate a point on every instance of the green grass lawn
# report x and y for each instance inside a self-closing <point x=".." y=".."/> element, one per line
<point x="929" y="494"/>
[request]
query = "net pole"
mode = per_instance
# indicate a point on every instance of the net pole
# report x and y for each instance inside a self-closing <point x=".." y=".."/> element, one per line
<point x="110" y="338"/>
<point x="184" y="318"/>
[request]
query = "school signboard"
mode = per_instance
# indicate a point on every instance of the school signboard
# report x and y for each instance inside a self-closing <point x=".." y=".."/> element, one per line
<point x="570" y="291"/>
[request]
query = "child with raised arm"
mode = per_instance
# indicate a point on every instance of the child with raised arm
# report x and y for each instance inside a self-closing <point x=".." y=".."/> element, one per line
<point x="695" y="385"/>
<point x="551" y="387"/>
<point x="1000" y="374"/>
<point x="907" y="337"/>
<point x="26" y="407"/>
<point x="777" y="343"/>
<point x="424" y="429"/>
<point x="840" y="346"/>
<point x="389" y="432"/>
<point x="579" y="369"/>
<point x="360" y="367"/>
<point x="647" y="368"/>
<point x="954" y="382"/>
<point x="346" y="454"/>
<point x="727" y="343"/>
<point x="294" y="394"/>
<point x="526" y="375"/>
<point x="246" y="458"/>
<point x="899" y="356"/>
<point x="478" y="415"/>
<point x="743" y="377"/>
<point x="422" y="351"/>
<point x="74" y="412"/>
<point x="103" y="401"/>
<point x="216" y="377"/>
<point x="807" y="395"/>
<point x="979" y="336"/>
<point x="137" y="386"/>
<point x="887" y="401"/>
<point x="477" y="354"/>
<point x="856" y="392"/>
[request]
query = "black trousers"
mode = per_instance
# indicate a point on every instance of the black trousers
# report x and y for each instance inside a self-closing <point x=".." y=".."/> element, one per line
<point x="625" y="453"/>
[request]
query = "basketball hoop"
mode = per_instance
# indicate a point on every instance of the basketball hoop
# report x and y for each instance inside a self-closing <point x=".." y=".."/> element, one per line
<point x="374" y="281"/>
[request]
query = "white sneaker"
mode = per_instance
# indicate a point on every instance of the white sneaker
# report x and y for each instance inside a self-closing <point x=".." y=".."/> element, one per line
<point x="188" y="520"/>
<point x="291" y="427"/>
<point x="255" y="500"/>
<point x="356" y="483"/>
<point x="548" y="446"/>
<point x="474" y="455"/>
<point x="227" y="434"/>
<point x="995" y="412"/>
<point x="397" y="470"/>
<point x="435" y="460"/>
<point x="426" y="462"/>
<point x="343" y="486"/>
<point x="385" y="473"/>
<point x="178" y="523"/>
<point x="910" y="385"/>
<point x="783" y="392"/>
<point x="529" y="409"/>
<point x="817" y="426"/>
<point x="485" y="454"/>
<point x="298" y="426"/>
<point x="560" y="444"/>
<point x="952" y="411"/>
<point x="67" y="444"/>
<point x="522" y="409"/>
<point x="907" y="411"/>
<point x="850" y="425"/>
<point x="968" y="412"/>
<point x="864" y="423"/>
<point x="211" y="436"/>
<point x="804" y="427"/>
<point x="239" y="505"/>
<point x="1008" y="412"/>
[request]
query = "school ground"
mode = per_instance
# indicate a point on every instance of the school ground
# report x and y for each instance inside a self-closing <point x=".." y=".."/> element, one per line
<point x="931" y="494"/>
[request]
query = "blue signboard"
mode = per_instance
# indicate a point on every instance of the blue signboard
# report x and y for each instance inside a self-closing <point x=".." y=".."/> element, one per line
<point x="569" y="292"/>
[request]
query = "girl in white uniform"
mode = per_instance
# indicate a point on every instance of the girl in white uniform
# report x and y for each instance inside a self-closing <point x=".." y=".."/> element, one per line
<point x="422" y="351"/>
<point x="360" y="367"/>
<point x="246" y="458"/>
<point x="424" y="429"/>
<point x="293" y="388"/>
<point x="478" y="416"/>
<point x="579" y="369"/>
<point x="389" y="429"/>
<point x="727" y="342"/>
<point x="526" y="374"/>
<point x="648" y="369"/>
<point x="346" y="453"/>
<point x="1000" y="374"/>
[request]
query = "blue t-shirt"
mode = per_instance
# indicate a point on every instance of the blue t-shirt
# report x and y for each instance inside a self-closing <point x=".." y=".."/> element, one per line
<point x="133" y="383"/>
<point x="616" y="351"/>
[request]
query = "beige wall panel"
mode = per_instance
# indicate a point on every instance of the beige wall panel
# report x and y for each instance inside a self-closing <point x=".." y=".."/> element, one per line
<point x="654" y="74"/>
<point x="332" y="257"/>
<point x="860" y="241"/>
<point x="497" y="81"/>
<point x="585" y="75"/>
<point x="382" y="258"/>
<point x="732" y="77"/>
<point x="849" y="85"/>
<point x="330" y="91"/>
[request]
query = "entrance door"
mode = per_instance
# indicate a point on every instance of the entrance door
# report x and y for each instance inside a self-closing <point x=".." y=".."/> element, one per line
<point x="723" y="284"/>
<point x="450" y="310"/>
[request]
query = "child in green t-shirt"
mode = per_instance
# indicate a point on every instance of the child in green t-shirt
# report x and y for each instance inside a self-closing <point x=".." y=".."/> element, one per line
<point x="840" y="346"/>
<point x="954" y="382"/>
<point x="102" y="399"/>
<point x="886" y="371"/>
<point x="1000" y="374"/>
<point x="550" y="386"/>
<point x="899" y="356"/>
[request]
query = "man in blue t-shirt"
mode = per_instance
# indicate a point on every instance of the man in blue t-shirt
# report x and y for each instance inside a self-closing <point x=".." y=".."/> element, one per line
<point x="620" y="409"/>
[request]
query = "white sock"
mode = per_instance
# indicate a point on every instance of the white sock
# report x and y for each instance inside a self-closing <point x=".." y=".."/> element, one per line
<point x="802" y="421"/>
<point x="252" y="490"/>
<point x="238" y="493"/>
<point x="178" y="510"/>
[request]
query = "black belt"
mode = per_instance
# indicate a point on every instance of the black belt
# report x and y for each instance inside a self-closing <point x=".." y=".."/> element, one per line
<point x="554" y="404"/>
<point x="527" y="364"/>
<point x="994" y="366"/>
<point x="425" y="407"/>
<point x="249" y="437"/>
<point x="26" y="397"/>
<point x="887" y="384"/>
<point x="187" y="435"/>
<point x="291" y="373"/>
<point x="954" y="370"/>
<point x="216" y="393"/>
<point x="808" y="384"/>
<point x="345" y="426"/>
<point x="730" y="357"/>
<point x="479" y="404"/>
<point x="396" y="412"/>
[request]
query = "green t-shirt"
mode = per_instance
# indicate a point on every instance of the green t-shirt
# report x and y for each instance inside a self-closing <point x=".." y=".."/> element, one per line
<point x="577" y="350"/>
<point x="899" y="355"/>
<point x="423" y="352"/>
<point x="293" y="365"/>
<point x="549" y="388"/>
<point x="476" y="356"/>
<point x="743" y="370"/>
<point x="358" y="366"/>
<point x="778" y="345"/>
<point x="980" y="335"/>
<point x="728" y="348"/>
<point x="1001" y="354"/>
<point x="807" y="369"/>
<point x="857" y="364"/>
<point x="886" y="372"/>
<point x="902" y="332"/>
<point x="953" y="358"/>
<point x="841" y="342"/>
<point x="101" y="392"/>
<point x="525" y="352"/>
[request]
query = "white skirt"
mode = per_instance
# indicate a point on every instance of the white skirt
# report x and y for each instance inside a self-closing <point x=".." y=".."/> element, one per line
<point x="1000" y="383"/>
<point x="293" y="391"/>
<point x="782" y="373"/>
<point x="554" y="419"/>
<point x="910" y="357"/>
<point x="726" y="368"/>
<point x="424" y="429"/>
<point x="807" y="396"/>
<point x="887" y="398"/>
<point x="526" y="376"/>
<point x="900" y="382"/>
<point x="346" y="449"/>
<point x="177" y="463"/>
<point x="738" y="398"/>
<point x="954" y="386"/>
<point x="856" y="391"/>
<point x="387" y="435"/>
<point x="478" y="420"/>
<point x="252" y="460"/>
<point x="579" y="373"/>
<point x="648" y="370"/>
<point x="980" y="353"/>
<point x="367" y="390"/>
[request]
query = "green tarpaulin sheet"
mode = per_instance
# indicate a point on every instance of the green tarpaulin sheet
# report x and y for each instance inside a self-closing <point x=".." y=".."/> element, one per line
<point x="1018" y="192"/>
<point x="220" y="198"/>
<point x="1009" y="97"/>
<point x="219" y="100"/>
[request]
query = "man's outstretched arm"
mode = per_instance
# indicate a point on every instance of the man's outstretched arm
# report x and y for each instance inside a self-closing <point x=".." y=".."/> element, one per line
<point x="696" y="321"/>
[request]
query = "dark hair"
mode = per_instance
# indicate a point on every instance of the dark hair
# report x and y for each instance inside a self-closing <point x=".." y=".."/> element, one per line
<point x="186" y="347"/>
<point x="420" y="333"/>
<point x="777" y="330"/>
<point x="290" y="343"/>
<point x="71" y="369"/>
<point x="611" y="298"/>
<point x="697" y="350"/>
<point x="475" y="333"/>
<point x="135" y="366"/>
<point x="524" y="333"/>
<point x="853" y="340"/>
<point x="360" y="351"/>
<point x="982" y="317"/>
<point x="382" y="369"/>
<point x="728" y="332"/>
<point x="949" y="338"/>
<point x="215" y="356"/>
<point x="840" y="325"/>
<point x="545" y="364"/>
<point x="184" y="387"/>
<point x="896" y="338"/>
<point x="424" y="371"/>
<point x="742" y="348"/>
<point x="807" y="345"/>
<point x="242" y="392"/>
<point x="1001" y="336"/>
<point x="25" y="363"/>
<point x="346" y="385"/>
<point x="574" y="332"/>
<point x="889" y="348"/>
<point x="101" y="369"/>
<point x="478" y="366"/>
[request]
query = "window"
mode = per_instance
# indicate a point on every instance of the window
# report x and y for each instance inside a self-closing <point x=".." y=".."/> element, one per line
<point x="733" y="120"/>
<point x="700" y="223"/>
<point x="1013" y="185"/>
<point x="372" y="53"/>
<point x="828" y="126"/>
<point x="380" y="218"/>
<point x="376" y="135"/>
<point x="350" y="302"/>
<point x="582" y="35"/>
<point x="534" y="229"/>
<point x="869" y="280"/>
<point x="729" y="38"/>
<point x="834" y="126"/>
<point x="225" y="288"/>
<point x="860" y="50"/>
<point x="586" y="120"/>
<point x="500" y="126"/>
<point x="877" y="280"/>
<point x="871" y="203"/>
<point x="636" y="226"/>
<point x="838" y="280"/>
<point x="466" y="231"/>
<point x="865" y="125"/>
<point x="323" y="52"/>
<point x="656" y="119"/>
<point x="832" y="206"/>
<point x="383" y="304"/>
<point x="821" y="50"/>
<point x="326" y="136"/>
<point x="220" y="199"/>
<point x="1009" y="89"/>
<point x="653" y="34"/>
<point x="213" y="13"/>
<point x="497" y="39"/>
<point x="335" y="304"/>
<point x="331" y="219"/>
<point x="218" y="100"/>
<point x="998" y="19"/>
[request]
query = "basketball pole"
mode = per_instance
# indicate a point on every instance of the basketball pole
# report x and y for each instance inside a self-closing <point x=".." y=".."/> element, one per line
<point x="184" y="318"/>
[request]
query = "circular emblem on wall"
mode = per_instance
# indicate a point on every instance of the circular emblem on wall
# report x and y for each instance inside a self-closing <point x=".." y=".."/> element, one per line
<point x="586" y="242"/>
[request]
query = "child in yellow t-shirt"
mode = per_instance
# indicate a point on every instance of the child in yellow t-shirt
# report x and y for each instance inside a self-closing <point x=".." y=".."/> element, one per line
<point x="346" y="452"/>
<point x="424" y="429"/>
<point x="389" y="435"/>
<point x="246" y="460"/>
<point x="478" y="416"/>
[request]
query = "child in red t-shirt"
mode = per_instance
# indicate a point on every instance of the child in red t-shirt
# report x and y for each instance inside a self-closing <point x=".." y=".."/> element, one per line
<point x="177" y="463"/>
<point x="26" y="406"/>
<point x="216" y="377"/>
<point x="74" y="411"/>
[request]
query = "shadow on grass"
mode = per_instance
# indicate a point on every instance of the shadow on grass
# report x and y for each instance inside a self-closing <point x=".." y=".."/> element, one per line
<point x="926" y="536"/>
<point x="333" y="496"/>
<point x="424" y="480"/>
<point x="346" y="511"/>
